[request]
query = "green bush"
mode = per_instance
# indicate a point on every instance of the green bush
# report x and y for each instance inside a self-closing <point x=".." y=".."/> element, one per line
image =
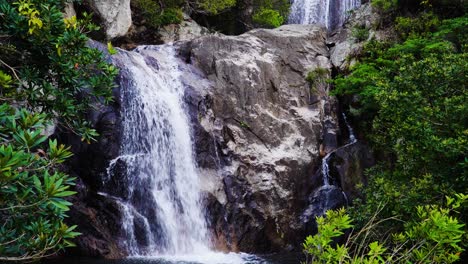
<point x="360" y="33"/>
<point x="385" y="5"/>
<point x="215" y="6"/>
<point x="268" y="17"/>
<point x="318" y="78"/>
<point x="171" y="16"/>
<point x="32" y="204"/>
<point x="157" y="16"/>
<point x="48" y="76"/>
<point x="434" y="236"/>
<point x="423" y="24"/>
<point x="270" y="13"/>
<point x="412" y="103"/>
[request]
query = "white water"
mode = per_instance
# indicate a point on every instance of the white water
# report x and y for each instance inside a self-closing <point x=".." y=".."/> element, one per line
<point x="157" y="146"/>
<point x="328" y="13"/>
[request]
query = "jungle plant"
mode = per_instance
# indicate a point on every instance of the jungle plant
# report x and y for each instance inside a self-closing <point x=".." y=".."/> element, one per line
<point x="435" y="236"/>
<point x="268" y="17"/>
<point x="49" y="76"/>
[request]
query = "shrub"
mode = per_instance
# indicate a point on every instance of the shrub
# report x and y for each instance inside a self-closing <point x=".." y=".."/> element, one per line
<point x="412" y="103"/>
<point x="360" y="33"/>
<point x="385" y="5"/>
<point x="318" y="78"/>
<point x="422" y="25"/>
<point x="435" y="236"/>
<point x="33" y="205"/>
<point x="268" y="17"/>
<point x="270" y="13"/>
<point x="48" y="75"/>
<point x="156" y="16"/>
<point x="215" y="6"/>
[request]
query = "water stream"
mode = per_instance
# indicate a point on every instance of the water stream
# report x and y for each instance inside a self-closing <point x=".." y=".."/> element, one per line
<point x="325" y="161"/>
<point x="328" y="13"/>
<point x="156" y="130"/>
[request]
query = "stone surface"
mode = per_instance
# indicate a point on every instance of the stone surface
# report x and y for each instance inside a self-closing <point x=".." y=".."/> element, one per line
<point x="258" y="131"/>
<point x="344" y="45"/>
<point x="188" y="29"/>
<point x="348" y="165"/>
<point x="115" y="15"/>
<point x="69" y="10"/>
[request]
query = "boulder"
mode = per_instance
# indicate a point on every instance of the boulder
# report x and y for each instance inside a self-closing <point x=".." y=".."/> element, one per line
<point x="115" y="16"/>
<point x="188" y="29"/>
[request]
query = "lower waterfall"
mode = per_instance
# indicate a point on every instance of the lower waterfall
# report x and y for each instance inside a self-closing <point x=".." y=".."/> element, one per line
<point x="328" y="13"/>
<point x="160" y="197"/>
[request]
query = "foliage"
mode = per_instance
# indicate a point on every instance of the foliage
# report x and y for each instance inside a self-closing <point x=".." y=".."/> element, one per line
<point x="385" y="5"/>
<point x="215" y="6"/>
<point x="319" y="247"/>
<point x="318" y="78"/>
<point x="423" y="24"/>
<point x="360" y="33"/>
<point x="268" y="17"/>
<point x="157" y="15"/>
<point x="270" y="13"/>
<point x="412" y="103"/>
<point x="434" y="236"/>
<point x="48" y="76"/>
<point x="32" y="203"/>
<point x="58" y="73"/>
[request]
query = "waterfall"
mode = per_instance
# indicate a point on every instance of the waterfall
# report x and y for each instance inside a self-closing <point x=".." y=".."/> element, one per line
<point x="155" y="178"/>
<point x="328" y="13"/>
<point x="162" y="206"/>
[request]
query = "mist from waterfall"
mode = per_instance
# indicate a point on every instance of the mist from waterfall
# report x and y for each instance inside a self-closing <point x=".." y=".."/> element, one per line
<point x="328" y="13"/>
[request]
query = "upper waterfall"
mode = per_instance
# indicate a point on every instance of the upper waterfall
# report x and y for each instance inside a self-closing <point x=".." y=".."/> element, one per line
<point x="328" y="13"/>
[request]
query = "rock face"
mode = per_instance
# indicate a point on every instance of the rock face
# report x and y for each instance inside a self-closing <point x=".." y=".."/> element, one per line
<point x="186" y="30"/>
<point x="345" y="46"/>
<point x="116" y="16"/>
<point x="258" y="131"/>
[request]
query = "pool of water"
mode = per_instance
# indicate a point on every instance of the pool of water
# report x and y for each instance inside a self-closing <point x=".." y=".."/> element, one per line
<point x="213" y="258"/>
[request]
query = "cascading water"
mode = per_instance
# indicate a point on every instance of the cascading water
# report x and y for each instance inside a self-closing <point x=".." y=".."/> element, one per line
<point x="163" y="185"/>
<point x="158" y="188"/>
<point x="328" y="196"/>
<point x="328" y="13"/>
<point x="325" y="166"/>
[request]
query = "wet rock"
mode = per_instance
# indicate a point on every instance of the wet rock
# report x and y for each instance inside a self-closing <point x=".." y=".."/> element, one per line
<point x="98" y="219"/>
<point x="348" y="165"/>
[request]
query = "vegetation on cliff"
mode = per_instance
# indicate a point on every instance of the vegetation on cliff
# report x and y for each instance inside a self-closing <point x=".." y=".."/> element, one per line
<point x="48" y="77"/>
<point x="410" y="97"/>
<point x="265" y="13"/>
